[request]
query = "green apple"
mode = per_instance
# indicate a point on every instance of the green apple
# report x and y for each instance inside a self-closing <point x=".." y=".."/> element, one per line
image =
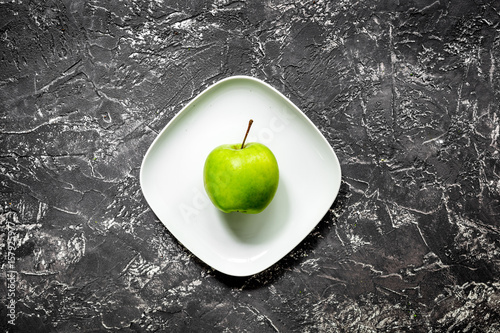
<point x="241" y="178"/>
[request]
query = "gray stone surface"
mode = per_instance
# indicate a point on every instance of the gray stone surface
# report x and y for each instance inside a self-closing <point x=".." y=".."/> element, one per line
<point x="406" y="92"/>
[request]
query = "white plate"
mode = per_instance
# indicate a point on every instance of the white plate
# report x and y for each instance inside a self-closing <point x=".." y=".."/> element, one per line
<point x="235" y="243"/>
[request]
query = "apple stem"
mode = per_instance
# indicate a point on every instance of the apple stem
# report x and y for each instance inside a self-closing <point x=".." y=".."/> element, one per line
<point x="248" y="130"/>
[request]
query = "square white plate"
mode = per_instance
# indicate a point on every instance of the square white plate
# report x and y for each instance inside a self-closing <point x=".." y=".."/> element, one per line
<point x="172" y="176"/>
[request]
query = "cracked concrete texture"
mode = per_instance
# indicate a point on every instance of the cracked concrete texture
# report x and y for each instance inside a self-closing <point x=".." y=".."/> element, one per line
<point x="407" y="95"/>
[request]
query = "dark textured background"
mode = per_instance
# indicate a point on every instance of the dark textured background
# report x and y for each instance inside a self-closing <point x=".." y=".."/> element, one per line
<point x="406" y="92"/>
